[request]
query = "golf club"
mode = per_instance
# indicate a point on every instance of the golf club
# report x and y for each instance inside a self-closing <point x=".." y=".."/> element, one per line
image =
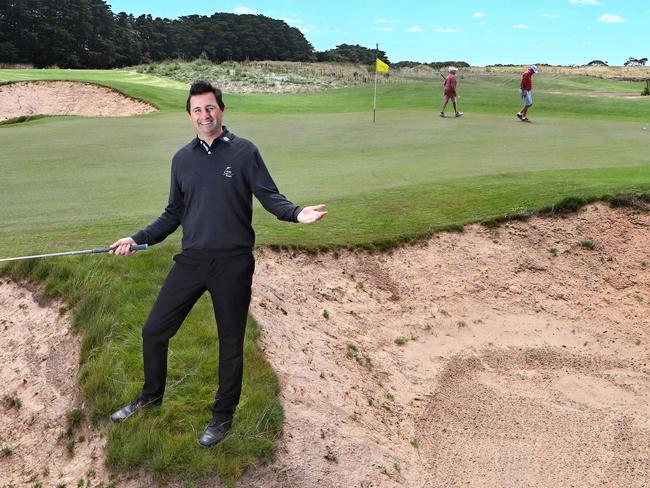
<point x="139" y="247"/>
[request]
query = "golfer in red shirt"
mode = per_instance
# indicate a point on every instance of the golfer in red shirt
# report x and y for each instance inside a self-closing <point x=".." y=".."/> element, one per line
<point x="526" y="92"/>
<point x="450" y="92"/>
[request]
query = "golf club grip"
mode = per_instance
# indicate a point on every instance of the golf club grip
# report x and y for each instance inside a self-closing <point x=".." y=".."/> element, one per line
<point x="137" y="247"/>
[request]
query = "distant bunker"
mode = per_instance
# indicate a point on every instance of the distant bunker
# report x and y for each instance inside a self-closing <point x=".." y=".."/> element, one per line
<point x="30" y="98"/>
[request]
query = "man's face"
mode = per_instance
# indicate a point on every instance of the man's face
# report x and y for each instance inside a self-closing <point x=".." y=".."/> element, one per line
<point x="206" y="116"/>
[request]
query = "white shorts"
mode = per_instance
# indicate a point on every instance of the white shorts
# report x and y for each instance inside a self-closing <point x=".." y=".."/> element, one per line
<point x="526" y="97"/>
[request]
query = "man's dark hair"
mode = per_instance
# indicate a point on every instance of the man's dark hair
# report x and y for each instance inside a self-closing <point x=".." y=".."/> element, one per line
<point x="201" y="86"/>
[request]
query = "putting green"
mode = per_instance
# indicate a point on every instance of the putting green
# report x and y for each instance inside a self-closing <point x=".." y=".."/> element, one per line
<point x="99" y="174"/>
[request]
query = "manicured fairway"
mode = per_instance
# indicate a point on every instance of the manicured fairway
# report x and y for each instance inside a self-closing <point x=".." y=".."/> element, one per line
<point x="72" y="182"/>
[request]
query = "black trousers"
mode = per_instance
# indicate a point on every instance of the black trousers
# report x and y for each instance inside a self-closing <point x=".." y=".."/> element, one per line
<point x="229" y="282"/>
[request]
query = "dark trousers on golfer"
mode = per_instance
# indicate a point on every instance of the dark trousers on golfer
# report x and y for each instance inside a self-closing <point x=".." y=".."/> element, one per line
<point x="229" y="282"/>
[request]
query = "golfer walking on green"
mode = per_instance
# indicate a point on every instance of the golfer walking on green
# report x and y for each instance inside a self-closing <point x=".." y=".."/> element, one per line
<point x="526" y="92"/>
<point x="213" y="179"/>
<point x="449" y="88"/>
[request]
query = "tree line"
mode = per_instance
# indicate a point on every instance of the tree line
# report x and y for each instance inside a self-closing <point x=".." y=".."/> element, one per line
<point x="87" y="34"/>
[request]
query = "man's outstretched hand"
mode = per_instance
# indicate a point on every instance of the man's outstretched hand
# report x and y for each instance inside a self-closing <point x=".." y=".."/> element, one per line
<point x="309" y="215"/>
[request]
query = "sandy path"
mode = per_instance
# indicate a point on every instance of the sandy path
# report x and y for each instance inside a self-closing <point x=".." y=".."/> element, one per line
<point x="66" y="98"/>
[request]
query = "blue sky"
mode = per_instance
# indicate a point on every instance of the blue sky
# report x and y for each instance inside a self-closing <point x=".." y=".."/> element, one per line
<point x="477" y="31"/>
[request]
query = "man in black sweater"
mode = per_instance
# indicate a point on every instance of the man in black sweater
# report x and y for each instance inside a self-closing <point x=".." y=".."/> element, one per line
<point x="213" y="179"/>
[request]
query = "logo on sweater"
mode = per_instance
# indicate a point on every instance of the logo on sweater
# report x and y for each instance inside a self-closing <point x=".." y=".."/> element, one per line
<point x="228" y="172"/>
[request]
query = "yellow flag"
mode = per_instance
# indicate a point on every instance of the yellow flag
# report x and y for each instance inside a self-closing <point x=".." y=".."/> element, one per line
<point x="380" y="66"/>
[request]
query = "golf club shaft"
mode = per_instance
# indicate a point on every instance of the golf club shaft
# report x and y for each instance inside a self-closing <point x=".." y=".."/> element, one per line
<point x="139" y="247"/>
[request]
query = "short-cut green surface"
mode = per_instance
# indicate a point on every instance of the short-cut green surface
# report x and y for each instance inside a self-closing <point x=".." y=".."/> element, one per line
<point x="76" y="183"/>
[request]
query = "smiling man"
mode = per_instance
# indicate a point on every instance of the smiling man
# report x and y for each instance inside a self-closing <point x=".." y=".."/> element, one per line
<point x="213" y="179"/>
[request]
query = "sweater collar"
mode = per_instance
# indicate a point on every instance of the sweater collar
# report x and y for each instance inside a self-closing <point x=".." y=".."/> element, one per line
<point x="225" y="137"/>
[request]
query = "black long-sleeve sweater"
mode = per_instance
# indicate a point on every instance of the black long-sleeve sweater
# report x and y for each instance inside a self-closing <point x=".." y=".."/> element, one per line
<point x="211" y="198"/>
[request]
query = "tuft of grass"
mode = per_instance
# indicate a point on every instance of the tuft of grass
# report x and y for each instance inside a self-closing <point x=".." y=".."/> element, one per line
<point x="415" y="443"/>
<point x="70" y="445"/>
<point x="401" y="340"/>
<point x="588" y="244"/>
<point x="331" y="456"/>
<point x="326" y="315"/>
<point x="351" y="350"/>
<point x="553" y="251"/>
<point x="12" y="400"/>
<point x="74" y="418"/>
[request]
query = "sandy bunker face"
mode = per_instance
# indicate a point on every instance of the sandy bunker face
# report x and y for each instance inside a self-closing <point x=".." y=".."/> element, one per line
<point x="513" y="357"/>
<point x="66" y="98"/>
<point x="517" y="356"/>
<point x="40" y="362"/>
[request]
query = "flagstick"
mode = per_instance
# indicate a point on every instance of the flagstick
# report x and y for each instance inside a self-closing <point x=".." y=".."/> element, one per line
<point x="374" y="101"/>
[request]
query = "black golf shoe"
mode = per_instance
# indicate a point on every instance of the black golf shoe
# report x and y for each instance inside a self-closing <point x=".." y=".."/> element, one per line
<point x="215" y="432"/>
<point x="126" y="411"/>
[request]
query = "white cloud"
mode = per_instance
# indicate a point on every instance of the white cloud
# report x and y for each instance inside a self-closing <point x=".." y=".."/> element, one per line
<point x="478" y="15"/>
<point x="415" y="28"/>
<point x="446" y="29"/>
<point x="304" y="30"/>
<point x="291" y="21"/>
<point x="387" y="21"/>
<point x="550" y="16"/>
<point x="611" y="19"/>
<point x="244" y="10"/>
<point x="384" y="29"/>
<point x="584" y="2"/>
<point x="520" y="26"/>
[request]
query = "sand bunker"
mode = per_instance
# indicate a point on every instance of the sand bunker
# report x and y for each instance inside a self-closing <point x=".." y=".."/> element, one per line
<point x="510" y="357"/>
<point x="66" y="98"/>
<point x="40" y="364"/>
